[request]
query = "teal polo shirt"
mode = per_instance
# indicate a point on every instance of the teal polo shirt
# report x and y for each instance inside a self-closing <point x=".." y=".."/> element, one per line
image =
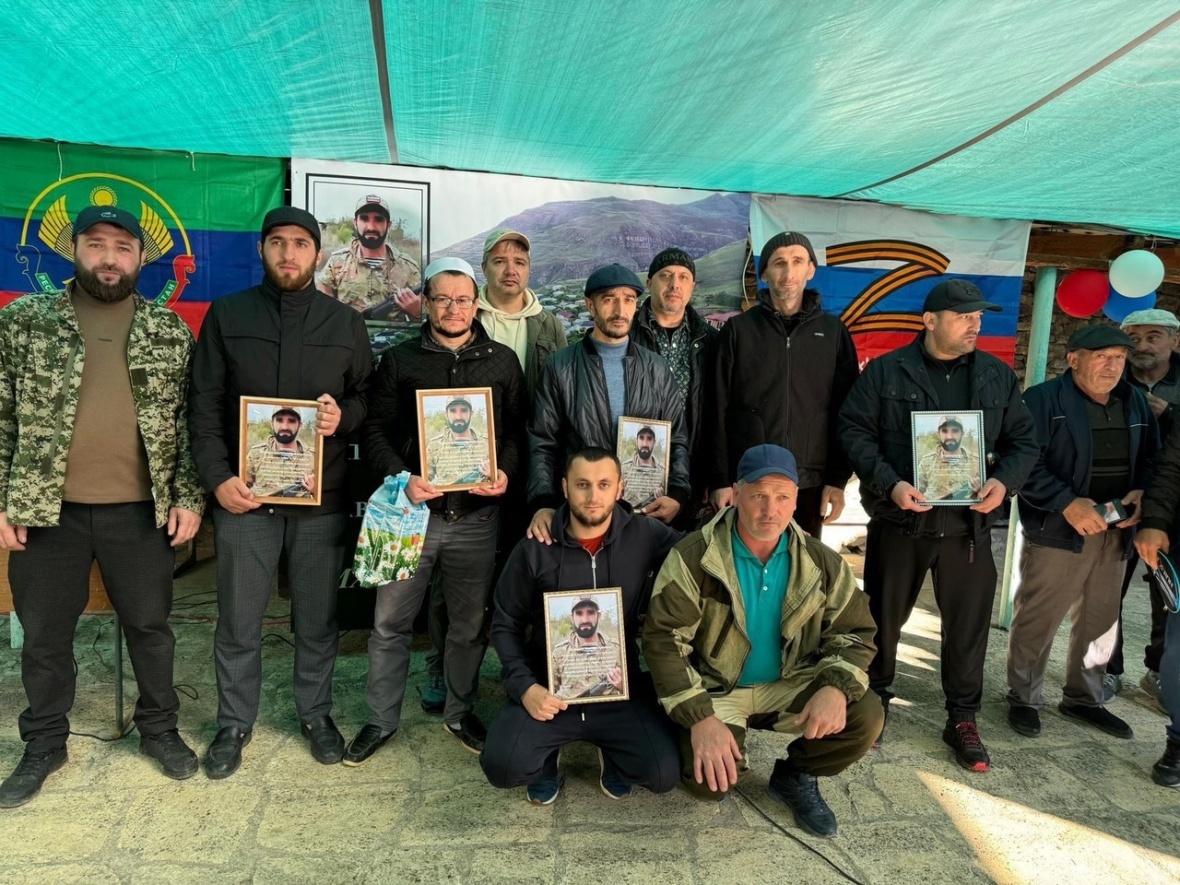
<point x="763" y="590"/>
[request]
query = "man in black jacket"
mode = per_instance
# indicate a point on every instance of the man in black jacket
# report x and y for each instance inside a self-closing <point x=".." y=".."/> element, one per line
<point x="283" y="340"/>
<point x="452" y="351"/>
<point x="941" y="371"/>
<point x="586" y="388"/>
<point x="598" y="543"/>
<point x="669" y="325"/>
<point x="782" y="371"/>
<point x="1098" y="440"/>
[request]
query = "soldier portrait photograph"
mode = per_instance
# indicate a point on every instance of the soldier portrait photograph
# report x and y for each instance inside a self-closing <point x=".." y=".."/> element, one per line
<point x="457" y="438"/>
<point x="948" y="467"/>
<point x="279" y="456"/>
<point x="643" y="453"/>
<point x="374" y="246"/>
<point x="586" y="660"/>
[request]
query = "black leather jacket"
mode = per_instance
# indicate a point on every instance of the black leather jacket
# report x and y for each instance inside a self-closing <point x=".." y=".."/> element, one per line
<point x="572" y="411"/>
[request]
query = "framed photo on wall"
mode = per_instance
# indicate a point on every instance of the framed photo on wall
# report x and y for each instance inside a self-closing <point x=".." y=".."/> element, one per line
<point x="279" y="455"/>
<point x="587" y="660"/>
<point x="642" y="447"/>
<point x="457" y="438"/>
<point x="949" y="461"/>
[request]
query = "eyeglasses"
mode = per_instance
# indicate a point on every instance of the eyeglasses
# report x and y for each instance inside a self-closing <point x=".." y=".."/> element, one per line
<point x="461" y="303"/>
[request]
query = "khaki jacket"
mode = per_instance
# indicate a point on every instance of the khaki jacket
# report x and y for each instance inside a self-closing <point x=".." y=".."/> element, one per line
<point x="695" y="639"/>
<point x="41" y="360"/>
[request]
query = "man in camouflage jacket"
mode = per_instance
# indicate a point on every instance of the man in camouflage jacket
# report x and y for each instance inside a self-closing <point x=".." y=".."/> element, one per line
<point x="94" y="465"/>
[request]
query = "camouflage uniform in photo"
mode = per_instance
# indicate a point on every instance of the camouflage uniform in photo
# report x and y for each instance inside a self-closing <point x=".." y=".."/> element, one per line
<point x="41" y="359"/>
<point x="643" y="480"/>
<point x="944" y="476"/>
<point x="580" y="670"/>
<point x="455" y="461"/>
<point x="348" y="278"/>
<point x="273" y="472"/>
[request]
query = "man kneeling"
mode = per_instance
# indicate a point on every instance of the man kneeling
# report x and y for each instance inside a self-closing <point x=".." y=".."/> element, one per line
<point x="597" y="542"/>
<point x="754" y="624"/>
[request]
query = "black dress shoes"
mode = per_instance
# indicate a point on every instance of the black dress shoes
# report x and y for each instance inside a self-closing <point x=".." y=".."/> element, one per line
<point x="327" y="743"/>
<point x="470" y="732"/>
<point x="224" y="755"/>
<point x="1025" y="720"/>
<point x="367" y="742"/>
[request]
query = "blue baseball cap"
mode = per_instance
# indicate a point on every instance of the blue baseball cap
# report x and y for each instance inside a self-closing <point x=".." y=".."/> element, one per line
<point x="611" y="276"/>
<point x="763" y="460"/>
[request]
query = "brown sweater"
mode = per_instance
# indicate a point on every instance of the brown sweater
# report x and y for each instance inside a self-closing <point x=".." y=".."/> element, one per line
<point x="107" y="461"/>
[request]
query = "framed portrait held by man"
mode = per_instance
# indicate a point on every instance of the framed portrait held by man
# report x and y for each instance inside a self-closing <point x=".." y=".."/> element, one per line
<point x="949" y="461"/>
<point x="457" y="438"/>
<point x="587" y="661"/>
<point x="642" y="447"/>
<point x="280" y="458"/>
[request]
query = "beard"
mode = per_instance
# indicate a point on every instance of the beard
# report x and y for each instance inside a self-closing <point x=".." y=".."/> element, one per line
<point x="443" y="333"/>
<point x="585" y="631"/>
<point x="1145" y="360"/>
<point x="603" y="326"/>
<point x="644" y="453"/>
<point x="108" y="293"/>
<point x="590" y="522"/>
<point x="287" y="283"/>
<point x="370" y="240"/>
<point x="286" y="437"/>
<point x="459" y="426"/>
<point x="951" y="445"/>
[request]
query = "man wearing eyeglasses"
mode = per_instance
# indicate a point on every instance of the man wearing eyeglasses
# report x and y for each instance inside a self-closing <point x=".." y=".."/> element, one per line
<point x="452" y="351"/>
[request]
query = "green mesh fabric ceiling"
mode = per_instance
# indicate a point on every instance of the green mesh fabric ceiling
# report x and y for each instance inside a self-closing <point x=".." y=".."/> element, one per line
<point x="1062" y="111"/>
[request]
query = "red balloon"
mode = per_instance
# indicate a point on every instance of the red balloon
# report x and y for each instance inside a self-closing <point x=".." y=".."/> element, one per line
<point x="1083" y="292"/>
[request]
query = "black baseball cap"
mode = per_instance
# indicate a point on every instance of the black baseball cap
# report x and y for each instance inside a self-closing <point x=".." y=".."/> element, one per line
<point x="1098" y="337"/>
<point x="92" y="215"/>
<point x="957" y="295"/>
<point x="291" y="215"/>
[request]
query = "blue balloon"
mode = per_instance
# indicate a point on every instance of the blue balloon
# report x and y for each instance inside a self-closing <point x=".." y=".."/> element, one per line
<point x="1119" y="307"/>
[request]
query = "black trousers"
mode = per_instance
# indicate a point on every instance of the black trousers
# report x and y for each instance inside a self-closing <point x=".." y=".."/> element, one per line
<point x="1159" y="621"/>
<point x="635" y="735"/>
<point x="807" y="510"/>
<point x="50" y="588"/>
<point x="964" y="588"/>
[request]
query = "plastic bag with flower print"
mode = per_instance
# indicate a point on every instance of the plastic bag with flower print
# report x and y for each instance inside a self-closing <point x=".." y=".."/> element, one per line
<point x="392" y="535"/>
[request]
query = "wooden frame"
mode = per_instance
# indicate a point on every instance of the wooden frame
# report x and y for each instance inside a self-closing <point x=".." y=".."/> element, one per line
<point x="449" y="462"/>
<point x="593" y="673"/>
<point x="948" y="478"/>
<point x="275" y="474"/>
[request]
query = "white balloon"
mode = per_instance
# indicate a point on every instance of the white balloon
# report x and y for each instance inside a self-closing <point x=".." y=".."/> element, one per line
<point x="1136" y="273"/>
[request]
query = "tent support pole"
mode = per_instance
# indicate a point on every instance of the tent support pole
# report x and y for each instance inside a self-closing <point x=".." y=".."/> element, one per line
<point x="1034" y="373"/>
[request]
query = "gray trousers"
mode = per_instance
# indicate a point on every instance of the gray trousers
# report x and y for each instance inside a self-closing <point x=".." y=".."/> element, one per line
<point x="463" y="554"/>
<point x="248" y="550"/>
<point x="1053" y="583"/>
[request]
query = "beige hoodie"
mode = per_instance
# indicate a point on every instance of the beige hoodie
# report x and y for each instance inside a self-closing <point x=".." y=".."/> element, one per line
<point x="510" y="329"/>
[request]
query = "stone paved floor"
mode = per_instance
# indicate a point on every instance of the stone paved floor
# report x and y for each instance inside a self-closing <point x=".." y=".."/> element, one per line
<point x="1071" y="805"/>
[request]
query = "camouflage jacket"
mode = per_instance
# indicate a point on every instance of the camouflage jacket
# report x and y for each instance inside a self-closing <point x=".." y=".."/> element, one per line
<point x="945" y="477"/>
<point x="275" y="472"/>
<point x="581" y="670"/>
<point x="348" y="278"/>
<point x="41" y="359"/>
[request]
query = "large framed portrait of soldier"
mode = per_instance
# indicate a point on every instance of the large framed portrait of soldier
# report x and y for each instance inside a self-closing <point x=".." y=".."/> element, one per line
<point x="949" y="460"/>
<point x="642" y="447"/>
<point x="280" y="457"/>
<point x="457" y="438"/>
<point x="587" y="660"/>
<point x="375" y="235"/>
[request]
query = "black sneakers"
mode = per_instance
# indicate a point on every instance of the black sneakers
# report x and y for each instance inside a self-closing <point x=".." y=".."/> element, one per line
<point x="800" y="793"/>
<point x="1024" y="720"/>
<point x="963" y="738"/>
<point x="174" y="755"/>
<point x="26" y="779"/>
<point x="1166" y="772"/>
